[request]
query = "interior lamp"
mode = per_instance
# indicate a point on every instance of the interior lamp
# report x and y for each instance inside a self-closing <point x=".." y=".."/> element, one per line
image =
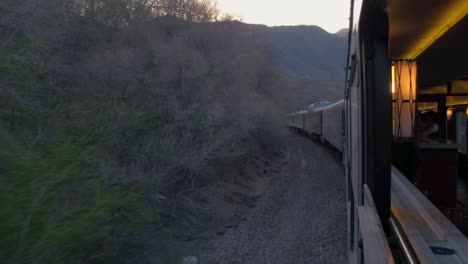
<point x="404" y="77"/>
<point x="449" y="114"/>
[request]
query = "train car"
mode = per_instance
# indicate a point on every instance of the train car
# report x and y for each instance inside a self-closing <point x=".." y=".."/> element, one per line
<point x="396" y="50"/>
<point x="313" y="118"/>
<point x="313" y="122"/>
<point x="401" y="52"/>
<point x="297" y="120"/>
<point x="332" y="120"/>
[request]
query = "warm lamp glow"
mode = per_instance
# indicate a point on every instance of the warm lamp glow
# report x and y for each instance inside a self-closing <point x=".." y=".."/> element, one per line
<point x="404" y="73"/>
<point x="449" y="114"/>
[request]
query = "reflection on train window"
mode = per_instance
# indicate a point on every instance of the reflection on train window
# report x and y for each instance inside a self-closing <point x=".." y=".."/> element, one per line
<point x="353" y="70"/>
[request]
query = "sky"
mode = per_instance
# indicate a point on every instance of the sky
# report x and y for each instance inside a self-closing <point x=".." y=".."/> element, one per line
<point x="331" y="15"/>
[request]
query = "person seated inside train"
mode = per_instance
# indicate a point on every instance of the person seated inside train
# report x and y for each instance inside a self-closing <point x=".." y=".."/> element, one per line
<point x="426" y="127"/>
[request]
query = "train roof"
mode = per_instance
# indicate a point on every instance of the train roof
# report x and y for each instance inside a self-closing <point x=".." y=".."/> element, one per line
<point x="318" y="105"/>
<point x="298" y="113"/>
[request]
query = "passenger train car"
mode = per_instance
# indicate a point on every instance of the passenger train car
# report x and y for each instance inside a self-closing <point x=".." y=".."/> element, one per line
<point x="403" y="190"/>
<point x="323" y="120"/>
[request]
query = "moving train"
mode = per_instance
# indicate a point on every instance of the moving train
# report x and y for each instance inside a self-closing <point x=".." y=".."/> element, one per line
<point x="321" y="119"/>
<point x="405" y="200"/>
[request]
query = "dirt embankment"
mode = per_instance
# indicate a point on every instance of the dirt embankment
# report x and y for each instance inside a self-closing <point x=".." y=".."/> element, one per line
<point x="226" y="203"/>
<point x="237" y="196"/>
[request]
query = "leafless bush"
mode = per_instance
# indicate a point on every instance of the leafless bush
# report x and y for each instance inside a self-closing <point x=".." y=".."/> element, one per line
<point x="161" y="101"/>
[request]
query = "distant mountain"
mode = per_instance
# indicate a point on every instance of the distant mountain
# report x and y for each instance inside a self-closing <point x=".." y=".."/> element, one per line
<point x="307" y="52"/>
<point x="313" y="59"/>
<point x="342" y="33"/>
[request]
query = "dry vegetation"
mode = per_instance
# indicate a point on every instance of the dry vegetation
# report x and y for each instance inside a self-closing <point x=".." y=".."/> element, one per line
<point x="115" y="115"/>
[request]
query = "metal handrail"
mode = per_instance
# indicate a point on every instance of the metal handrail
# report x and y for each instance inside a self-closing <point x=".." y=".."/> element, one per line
<point x="409" y="253"/>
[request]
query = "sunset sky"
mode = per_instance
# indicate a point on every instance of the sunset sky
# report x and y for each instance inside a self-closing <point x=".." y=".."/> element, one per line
<point x="331" y="15"/>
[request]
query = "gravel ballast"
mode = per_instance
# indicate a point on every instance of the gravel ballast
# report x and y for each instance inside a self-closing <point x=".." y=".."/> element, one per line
<point x="301" y="220"/>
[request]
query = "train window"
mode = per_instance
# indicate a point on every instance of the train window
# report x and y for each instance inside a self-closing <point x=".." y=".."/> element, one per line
<point x="352" y="69"/>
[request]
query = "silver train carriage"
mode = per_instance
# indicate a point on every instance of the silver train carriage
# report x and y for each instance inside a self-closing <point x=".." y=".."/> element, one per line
<point x="321" y="119"/>
<point x="297" y="120"/>
<point x="313" y="119"/>
<point x="332" y="124"/>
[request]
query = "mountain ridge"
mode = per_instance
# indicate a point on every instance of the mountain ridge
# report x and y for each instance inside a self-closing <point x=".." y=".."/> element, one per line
<point x="307" y="52"/>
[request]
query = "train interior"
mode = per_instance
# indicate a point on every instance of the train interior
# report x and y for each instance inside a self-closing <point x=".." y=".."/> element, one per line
<point x="428" y="49"/>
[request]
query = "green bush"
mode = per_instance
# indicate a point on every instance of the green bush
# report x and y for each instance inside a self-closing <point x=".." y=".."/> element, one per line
<point x="54" y="209"/>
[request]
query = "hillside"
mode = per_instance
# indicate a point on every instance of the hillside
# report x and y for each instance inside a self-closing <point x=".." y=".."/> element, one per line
<point x="312" y="60"/>
<point x="307" y="52"/>
<point x="120" y="125"/>
<point x="125" y="122"/>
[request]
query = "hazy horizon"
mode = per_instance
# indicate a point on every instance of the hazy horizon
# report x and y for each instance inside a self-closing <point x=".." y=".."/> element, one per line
<point x="331" y="15"/>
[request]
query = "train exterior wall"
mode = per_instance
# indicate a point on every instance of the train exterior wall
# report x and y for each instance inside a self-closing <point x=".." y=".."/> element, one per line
<point x="297" y="120"/>
<point x="332" y="124"/>
<point x="313" y="123"/>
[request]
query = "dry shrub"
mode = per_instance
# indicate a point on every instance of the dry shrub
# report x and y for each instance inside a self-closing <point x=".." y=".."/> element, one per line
<point x="153" y="94"/>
